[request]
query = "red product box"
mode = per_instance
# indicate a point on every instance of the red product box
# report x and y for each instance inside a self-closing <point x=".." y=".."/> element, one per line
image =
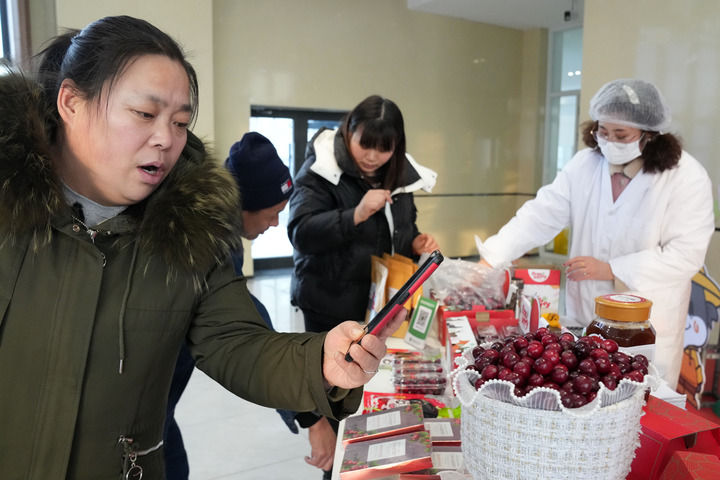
<point x="444" y="313"/>
<point x="667" y="429"/>
<point x="386" y="456"/>
<point x="444" y="458"/>
<point x="376" y="401"/>
<point x="394" y="421"/>
<point x="685" y="465"/>
<point x="544" y="282"/>
<point x="458" y="338"/>
<point x="443" y="431"/>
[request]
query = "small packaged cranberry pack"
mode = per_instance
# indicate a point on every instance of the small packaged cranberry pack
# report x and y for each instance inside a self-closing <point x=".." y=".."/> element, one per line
<point x="443" y="431"/>
<point x="394" y="421"/>
<point x="386" y="456"/>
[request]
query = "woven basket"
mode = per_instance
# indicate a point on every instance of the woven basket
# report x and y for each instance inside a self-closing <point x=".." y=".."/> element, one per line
<point x="505" y="437"/>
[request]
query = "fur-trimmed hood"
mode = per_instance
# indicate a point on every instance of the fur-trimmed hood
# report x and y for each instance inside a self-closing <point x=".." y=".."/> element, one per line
<point x="191" y="221"/>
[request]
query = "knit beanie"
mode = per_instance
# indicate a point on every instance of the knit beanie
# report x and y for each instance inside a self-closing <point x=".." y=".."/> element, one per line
<point x="262" y="177"/>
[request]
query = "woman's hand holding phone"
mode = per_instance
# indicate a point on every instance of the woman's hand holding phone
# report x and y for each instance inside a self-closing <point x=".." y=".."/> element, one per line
<point x="366" y="353"/>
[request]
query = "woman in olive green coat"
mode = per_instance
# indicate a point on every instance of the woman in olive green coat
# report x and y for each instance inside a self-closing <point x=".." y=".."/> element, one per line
<point x="115" y="229"/>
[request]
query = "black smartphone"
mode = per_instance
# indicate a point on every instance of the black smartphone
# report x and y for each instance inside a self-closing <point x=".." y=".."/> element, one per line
<point x="393" y="306"/>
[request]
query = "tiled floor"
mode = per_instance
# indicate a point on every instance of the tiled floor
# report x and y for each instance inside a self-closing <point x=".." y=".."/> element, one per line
<point x="229" y="438"/>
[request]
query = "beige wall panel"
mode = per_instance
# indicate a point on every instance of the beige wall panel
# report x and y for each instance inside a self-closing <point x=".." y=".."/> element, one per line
<point x="187" y="21"/>
<point x="674" y="45"/>
<point x="458" y="83"/>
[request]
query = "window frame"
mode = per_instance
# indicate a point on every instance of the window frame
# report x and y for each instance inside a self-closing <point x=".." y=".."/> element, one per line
<point x="5" y="35"/>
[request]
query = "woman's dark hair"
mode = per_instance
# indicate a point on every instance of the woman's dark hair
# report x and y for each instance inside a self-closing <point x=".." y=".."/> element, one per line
<point x="383" y="129"/>
<point x="661" y="151"/>
<point x="99" y="53"/>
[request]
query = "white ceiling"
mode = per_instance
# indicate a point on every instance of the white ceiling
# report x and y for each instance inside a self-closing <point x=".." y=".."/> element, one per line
<point x="519" y="14"/>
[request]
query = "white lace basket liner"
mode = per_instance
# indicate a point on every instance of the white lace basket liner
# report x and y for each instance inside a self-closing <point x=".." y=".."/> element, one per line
<point x="505" y="437"/>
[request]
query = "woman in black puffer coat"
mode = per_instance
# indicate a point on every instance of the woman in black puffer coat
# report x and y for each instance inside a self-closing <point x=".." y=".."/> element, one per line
<point x="353" y="198"/>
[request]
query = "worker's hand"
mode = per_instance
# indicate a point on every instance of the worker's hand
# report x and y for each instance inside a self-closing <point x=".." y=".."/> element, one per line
<point x="588" y="268"/>
<point x="371" y="202"/>
<point x="366" y="355"/>
<point x="322" y="445"/>
<point x="424" y="243"/>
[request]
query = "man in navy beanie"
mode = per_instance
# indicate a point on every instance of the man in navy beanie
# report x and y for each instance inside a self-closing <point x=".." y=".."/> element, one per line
<point x="265" y="186"/>
<point x="264" y="182"/>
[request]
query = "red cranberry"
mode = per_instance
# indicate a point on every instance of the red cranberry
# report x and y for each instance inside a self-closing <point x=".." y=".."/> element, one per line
<point x="641" y="359"/>
<point x="635" y="376"/>
<point x="492" y="355"/>
<point x="610" y="382"/>
<point x="639" y="367"/>
<point x="618" y="357"/>
<point x="489" y="372"/>
<point x="566" y="399"/>
<point x="602" y="365"/>
<point x="578" y="400"/>
<point x="559" y="374"/>
<point x="552" y="356"/>
<point x="567" y="337"/>
<point x="535" y="349"/>
<point x="503" y="373"/>
<point x="567" y="386"/>
<point x="509" y="359"/>
<point x="552" y="385"/>
<point x="624" y="367"/>
<point x="515" y="379"/>
<point x="477" y="350"/>
<point x="536" y="380"/>
<point x="554" y="346"/>
<point x="610" y="346"/>
<point x="548" y="338"/>
<point x="582" y="384"/>
<point x="587" y="366"/>
<point x="569" y="359"/>
<point x="479" y="383"/>
<point x="582" y="349"/>
<point x="540" y="332"/>
<point x="507" y="349"/>
<point x="599" y="352"/>
<point x="615" y="371"/>
<point x="523" y="369"/>
<point x="520" y="343"/>
<point x="542" y="366"/>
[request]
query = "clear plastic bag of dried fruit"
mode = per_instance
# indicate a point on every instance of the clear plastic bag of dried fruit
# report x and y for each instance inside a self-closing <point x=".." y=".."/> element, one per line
<point x="462" y="284"/>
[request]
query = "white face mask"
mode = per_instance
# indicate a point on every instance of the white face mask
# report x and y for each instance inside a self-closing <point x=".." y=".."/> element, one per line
<point x="619" y="153"/>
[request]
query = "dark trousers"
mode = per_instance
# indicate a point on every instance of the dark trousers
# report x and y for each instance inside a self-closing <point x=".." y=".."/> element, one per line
<point x="176" y="461"/>
<point x="315" y="322"/>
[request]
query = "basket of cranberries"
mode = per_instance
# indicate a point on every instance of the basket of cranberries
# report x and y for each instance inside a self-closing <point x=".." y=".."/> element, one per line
<point x="553" y="405"/>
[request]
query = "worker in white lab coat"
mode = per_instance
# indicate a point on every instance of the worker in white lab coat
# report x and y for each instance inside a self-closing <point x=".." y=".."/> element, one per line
<point x="644" y="230"/>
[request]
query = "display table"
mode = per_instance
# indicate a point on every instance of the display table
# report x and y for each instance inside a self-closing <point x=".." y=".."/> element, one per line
<point x="381" y="382"/>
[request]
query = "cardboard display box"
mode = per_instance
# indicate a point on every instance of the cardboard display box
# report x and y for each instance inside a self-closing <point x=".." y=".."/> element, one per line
<point x="667" y="429"/>
<point x="685" y="465"/>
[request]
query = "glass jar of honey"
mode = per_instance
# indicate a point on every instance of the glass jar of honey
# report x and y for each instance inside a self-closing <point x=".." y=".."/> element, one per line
<point x="625" y="318"/>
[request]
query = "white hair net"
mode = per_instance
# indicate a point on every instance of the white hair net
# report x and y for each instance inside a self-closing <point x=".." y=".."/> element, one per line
<point x="631" y="102"/>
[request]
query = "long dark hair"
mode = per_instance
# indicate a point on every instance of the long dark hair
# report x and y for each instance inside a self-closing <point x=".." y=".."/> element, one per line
<point x="94" y="57"/>
<point x="383" y="129"/>
<point x="661" y="151"/>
